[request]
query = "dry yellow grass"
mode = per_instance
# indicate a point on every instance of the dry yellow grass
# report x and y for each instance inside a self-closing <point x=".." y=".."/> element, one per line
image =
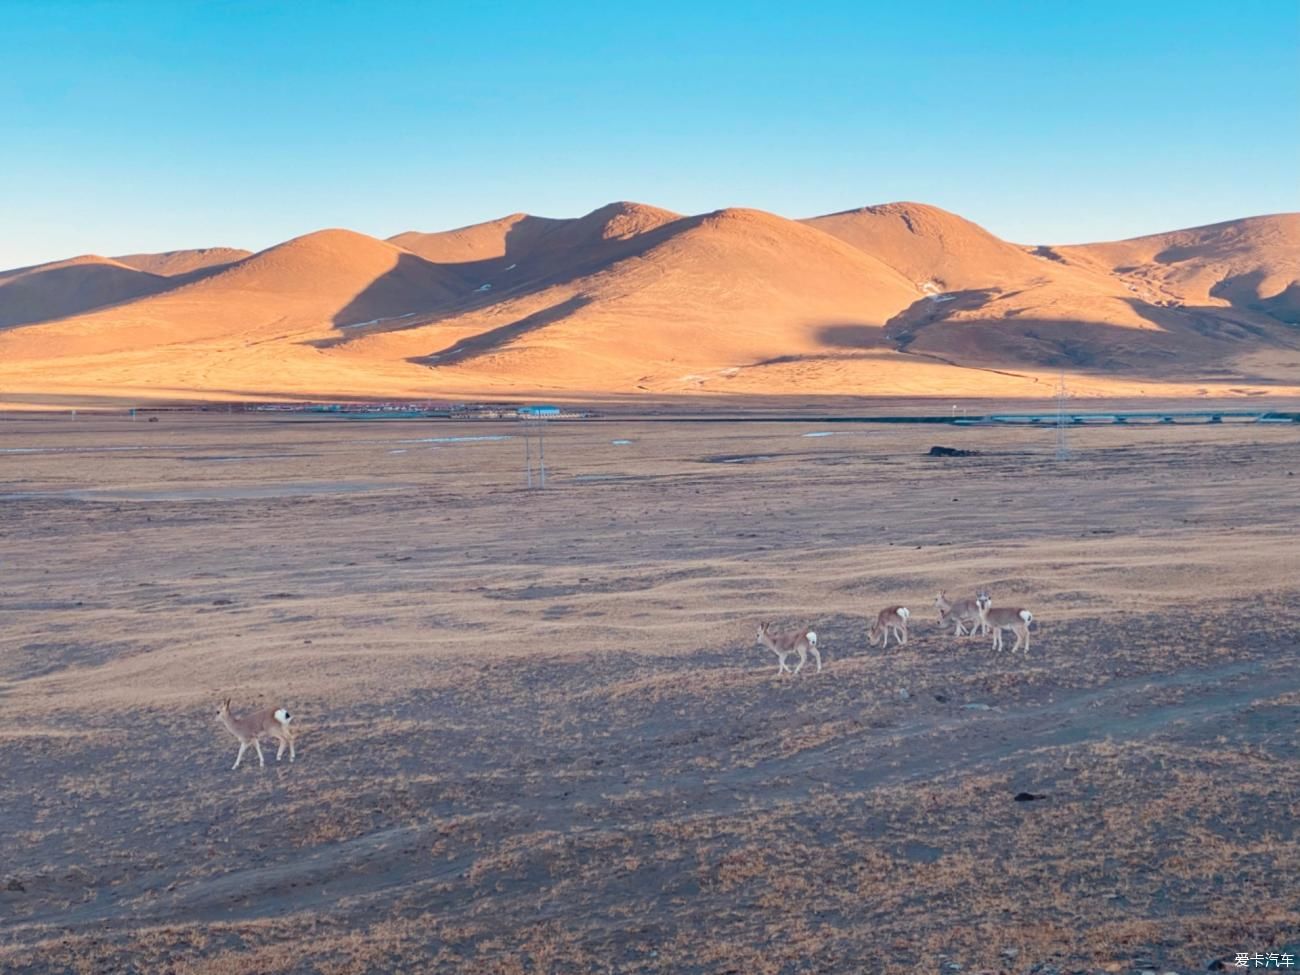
<point x="536" y="734"/>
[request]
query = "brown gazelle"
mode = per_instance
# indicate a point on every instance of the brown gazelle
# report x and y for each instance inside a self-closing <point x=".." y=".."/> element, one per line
<point x="891" y="620"/>
<point x="963" y="613"/>
<point x="1003" y="618"/>
<point x="803" y="643"/>
<point x="270" y="723"/>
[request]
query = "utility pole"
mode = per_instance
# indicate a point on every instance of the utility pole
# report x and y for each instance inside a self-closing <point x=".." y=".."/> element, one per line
<point x="1062" y="436"/>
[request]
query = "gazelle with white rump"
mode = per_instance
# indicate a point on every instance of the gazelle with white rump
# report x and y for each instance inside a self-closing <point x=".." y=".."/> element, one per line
<point x="891" y="620"/>
<point x="1001" y="618"/>
<point x="783" y="645"/>
<point x="270" y="723"/>
<point x="962" y="613"/>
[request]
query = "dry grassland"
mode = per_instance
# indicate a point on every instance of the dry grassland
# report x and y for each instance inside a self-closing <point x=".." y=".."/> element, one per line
<point x="535" y="734"/>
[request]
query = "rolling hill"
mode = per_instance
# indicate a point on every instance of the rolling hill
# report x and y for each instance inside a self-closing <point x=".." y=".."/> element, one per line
<point x="897" y="299"/>
<point x="62" y="288"/>
<point x="1248" y="264"/>
<point x="178" y="263"/>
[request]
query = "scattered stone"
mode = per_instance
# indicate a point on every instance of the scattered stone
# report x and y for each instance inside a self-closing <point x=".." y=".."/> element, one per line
<point x="976" y="707"/>
<point x="952" y="452"/>
<point x="951" y="966"/>
<point x="1030" y="797"/>
<point x="16" y="886"/>
<point x="903" y="693"/>
<point x="1010" y="952"/>
<point x="223" y="602"/>
<point x="942" y="699"/>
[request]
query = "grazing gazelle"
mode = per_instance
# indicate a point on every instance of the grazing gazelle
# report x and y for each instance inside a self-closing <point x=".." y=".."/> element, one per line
<point x="963" y="613"/>
<point x="272" y="723"/>
<point x="892" y="620"/>
<point x="803" y="643"/>
<point x="1001" y="618"/>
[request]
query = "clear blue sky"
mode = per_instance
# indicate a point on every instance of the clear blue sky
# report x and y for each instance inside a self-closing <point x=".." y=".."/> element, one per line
<point x="129" y="126"/>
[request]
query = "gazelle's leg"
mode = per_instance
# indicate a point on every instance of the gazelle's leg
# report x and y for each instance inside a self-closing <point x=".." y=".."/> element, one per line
<point x="1026" y="632"/>
<point x="243" y="745"/>
<point x="803" y="658"/>
<point x="279" y="752"/>
<point x="291" y="747"/>
<point x="260" y="760"/>
<point x="817" y="655"/>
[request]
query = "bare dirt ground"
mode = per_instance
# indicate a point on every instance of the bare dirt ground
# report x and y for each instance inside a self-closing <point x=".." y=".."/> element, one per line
<point x="535" y="734"/>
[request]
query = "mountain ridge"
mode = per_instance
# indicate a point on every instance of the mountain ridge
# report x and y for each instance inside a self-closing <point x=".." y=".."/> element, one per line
<point x="885" y="299"/>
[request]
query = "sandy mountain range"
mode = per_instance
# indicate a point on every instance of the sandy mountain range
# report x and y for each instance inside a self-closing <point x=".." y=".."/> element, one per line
<point x="899" y="299"/>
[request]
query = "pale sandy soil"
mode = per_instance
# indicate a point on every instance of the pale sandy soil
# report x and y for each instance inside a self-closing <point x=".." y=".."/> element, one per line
<point x="536" y="735"/>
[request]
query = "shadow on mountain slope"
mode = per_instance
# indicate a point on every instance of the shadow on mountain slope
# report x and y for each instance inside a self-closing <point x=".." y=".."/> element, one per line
<point x="495" y="339"/>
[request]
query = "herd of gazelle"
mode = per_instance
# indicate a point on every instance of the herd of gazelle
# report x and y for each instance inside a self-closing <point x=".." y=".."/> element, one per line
<point x="891" y="621"/>
<point x="966" y="615"/>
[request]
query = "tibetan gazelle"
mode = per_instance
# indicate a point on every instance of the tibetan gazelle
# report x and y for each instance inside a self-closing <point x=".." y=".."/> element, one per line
<point x="892" y="620"/>
<point x="803" y="643"/>
<point x="962" y="613"/>
<point x="1001" y="618"/>
<point x="270" y="723"/>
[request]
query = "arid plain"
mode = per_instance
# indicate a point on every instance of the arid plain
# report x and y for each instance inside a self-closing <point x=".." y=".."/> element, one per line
<point x="536" y="734"/>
